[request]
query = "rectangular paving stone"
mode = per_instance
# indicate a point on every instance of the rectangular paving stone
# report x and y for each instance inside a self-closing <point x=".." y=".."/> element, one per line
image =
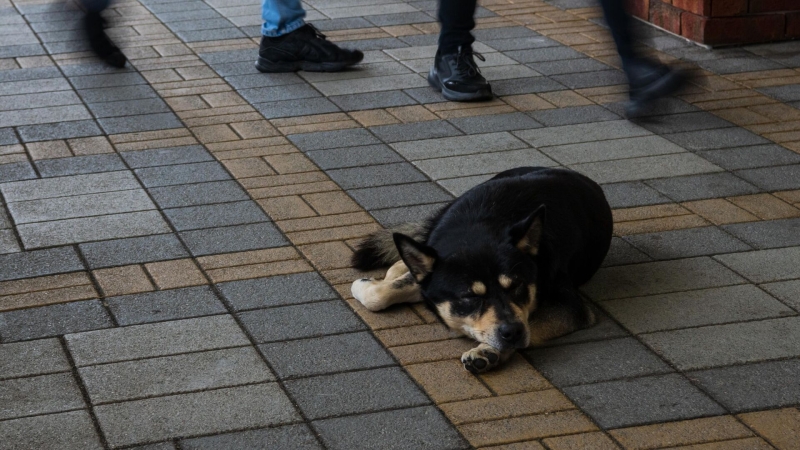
<point x="298" y="437"/>
<point x="71" y="231"/>
<point x="322" y="355"/>
<point x="573" y="115"/>
<point x="193" y="414"/>
<point x="399" y="195"/>
<point x="372" y="100"/>
<point x="587" y="132"/>
<point x="53" y="320"/>
<point x="74" y="185"/>
<point x="300" y="321"/>
<point x="32" y="358"/>
<point x="43" y="100"/>
<point x="528" y="85"/>
<point x="34" y="86"/>
<point x="157" y="339"/>
<point x="378" y="175"/>
<point x="647" y="167"/>
<point x="333" y="139"/>
<point x="357" y="86"/>
<point x="719" y="138"/>
<point x="679" y="123"/>
<point x="87" y="205"/>
<point x="108" y="383"/>
<point x="494" y="123"/>
<point x="276" y="291"/>
<point x="278" y="93"/>
<point x="39" y="262"/>
<point x="63" y="130"/>
<point x="768" y="233"/>
<point x="132" y="250"/>
<point x="39" y="395"/>
<point x="415" y="131"/>
<point x="65" y="431"/>
<point x="750" y="387"/>
<point x="544" y="54"/>
<point x="458" y="186"/>
<point x="786" y="291"/>
<point x="458" y="145"/>
<point x="236" y="238"/>
<point x="687" y="243"/>
<point x="79" y="165"/>
<point x="43" y="115"/>
<point x="115" y="94"/>
<point x="765" y="265"/>
<point x="404" y="214"/>
<point x="262" y="80"/>
<point x="355" y="392"/>
<point x="623" y="253"/>
<point x="182" y="174"/>
<point x="630" y="194"/>
<point x="167" y="156"/>
<point x="198" y="194"/>
<point x="107" y="80"/>
<point x="33" y="73"/>
<point x="659" y="398"/>
<point x="566" y="66"/>
<point x="695" y="308"/>
<point x="611" y="149"/>
<point x="720" y="345"/>
<point x="773" y="178"/>
<point x="484" y="163"/>
<point x="751" y="157"/>
<point x="697" y="187"/>
<point x="128" y="107"/>
<point x="219" y="215"/>
<point x="7" y="136"/>
<point x="164" y="305"/>
<point x="16" y="171"/>
<point x="353" y="156"/>
<point x="133" y="124"/>
<point x="583" y="80"/>
<point x="419" y="428"/>
<point x="293" y="108"/>
<point x="592" y="362"/>
<point x="659" y="278"/>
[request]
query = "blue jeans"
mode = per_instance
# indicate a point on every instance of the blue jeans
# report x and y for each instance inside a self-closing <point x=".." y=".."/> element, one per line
<point x="281" y="17"/>
<point x="95" y="6"/>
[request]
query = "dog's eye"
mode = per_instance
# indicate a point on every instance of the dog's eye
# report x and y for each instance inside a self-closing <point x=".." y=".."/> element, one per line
<point x="471" y="303"/>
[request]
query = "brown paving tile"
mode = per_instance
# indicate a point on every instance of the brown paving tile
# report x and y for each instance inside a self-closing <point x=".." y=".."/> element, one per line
<point x="188" y="103"/>
<point x="291" y="163"/>
<point x="659" y="224"/>
<point x="332" y="203"/>
<point x="191" y="73"/>
<point x="348" y="274"/>
<point x="413" y="113"/>
<point x="742" y="116"/>
<point x="526" y="428"/>
<point x="753" y="443"/>
<point x="28" y="62"/>
<point x="48" y="297"/>
<point x="52" y="289"/>
<point x="8" y="64"/>
<point x="90" y="146"/>
<point x="778" y="111"/>
<point x="648" y="212"/>
<point x="248" y="258"/>
<point x="160" y="75"/>
<point x="326" y="126"/>
<point x="563" y="99"/>
<point x="789" y="196"/>
<point x="254" y="129"/>
<point x="315" y="223"/>
<point x="284" y="179"/>
<point x="594" y="441"/>
<point x="289" y="207"/>
<point x="259" y="270"/>
<point x="432" y="351"/>
<point x="447" y="381"/>
<point x="401" y="30"/>
<point x="248" y="167"/>
<point x="685" y="432"/>
<point x="455" y="106"/>
<point x="471" y="112"/>
<point x="528" y="445"/>
<point x="374" y="117"/>
<point x="719" y="211"/>
<point x="294" y="189"/>
<point x="175" y="274"/>
<point x="765" y="206"/>
<point x="425" y="313"/>
<point x="505" y="406"/>
<point x="332" y="234"/>
<point x="48" y="149"/>
<point x="327" y="255"/>
<point x="515" y="376"/>
<point x="160" y="143"/>
<point x="122" y="280"/>
<point x="415" y="334"/>
<point x="149" y="135"/>
<point x="12" y="157"/>
<point x="780" y="427"/>
<point x="215" y="133"/>
<point x="396" y="316"/>
<point x="220" y="99"/>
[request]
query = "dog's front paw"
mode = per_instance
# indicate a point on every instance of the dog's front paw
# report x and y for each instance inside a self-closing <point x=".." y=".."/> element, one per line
<point x="481" y="359"/>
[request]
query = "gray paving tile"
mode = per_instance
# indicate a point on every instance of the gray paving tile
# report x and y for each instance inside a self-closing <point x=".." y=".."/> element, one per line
<point x="108" y="383"/>
<point x="418" y="428"/>
<point x="129" y="107"/>
<point x="132" y="124"/>
<point x="16" y="171"/>
<point x="7" y="136"/>
<point x="300" y="321"/>
<point x="32" y="73"/>
<point x="43" y="115"/>
<point x="786" y="291"/>
<point x="587" y="132"/>
<point x="503" y="33"/>
<point x="647" y="167"/>
<point x="210" y="35"/>
<point x="8" y="242"/>
<point x="39" y="395"/>
<point x="324" y="355"/>
<point x="262" y="80"/>
<point x="768" y="233"/>
<point x="32" y="358"/>
<point x="630" y="194"/>
<point x="458" y="186"/>
<point x="298" y="437"/>
<point x="53" y="320"/>
<point x="484" y="163"/>
<point x="43" y="100"/>
<point x="132" y="250"/>
<point x="34" y="86"/>
<point x="164" y="305"/>
<point x="687" y="243"/>
<point x="73" y="185"/>
<point x="695" y="308"/>
<point x="353" y="156"/>
<point x="277" y="93"/>
<point x="659" y="107"/>
<point x="156" y="339"/>
<point x="292" y="108"/>
<point x="737" y="65"/>
<point x="235" y="238"/>
<point x="77" y="165"/>
<point x="39" y="262"/>
<point x="333" y="139"/>
<point x="115" y="94"/>
<point x="383" y="20"/>
<point x="60" y="208"/>
<point x="633" y="147"/>
<point x="355" y="392"/>
<point x="621" y="253"/>
<point x="87" y="229"/>
<point x="786" y="93"/>
<point x="276" y="291"/>
<point x="573" y="115"/>
<point x="65" y="431"/>
<point x="219" y="215"/>
<point x="544" y="54"/>
<point x="167" y="156"/>
<point x="697" y="187"/>
<point x="659" y="398"/>
<point x="525" y="86"/>
<point x="751" y="157"/>
<point x="721" y="345"/>
<point x="591" y="79"/>
<point x="659" y="278"/>
<point x="182" y="174"/>
<point x="773" y="178"/>
<point x="717" y="138"/>
<point x="404" y="214"/>
<point x="107" y="80"/>
<point x="458" y="145"/>
<point x="401" y="195"/>
<point x="493" y="123"/>
<point x="372" y="100"/>
<point x="198" y="194"/>
<point x="678" y="123"/>
<point x="194" y="414"/>
<point x="752" y="387"/>
<point x="605" y="328"/>
<point x="415" y="131"/>
<point x="765" y="265"/>
<point x="379" y="175"/>
<point x="567" y="66"/>
<point x="425" y="95"/>
<point x="63" y="130"/>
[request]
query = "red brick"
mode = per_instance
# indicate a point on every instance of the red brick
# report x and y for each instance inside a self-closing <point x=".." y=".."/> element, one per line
<point x="793" y="25"/>
<point x="699" y="7"/>
<point x="763" y="6"/>
<point x="733" y="30"/>
<point x="638" y="8"/>
<point x="665" y="16"/>
<point x="727" y="8"/>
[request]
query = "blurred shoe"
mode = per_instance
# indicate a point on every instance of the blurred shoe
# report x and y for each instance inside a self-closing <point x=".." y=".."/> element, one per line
<point x="304" y="49"/>
<point x="94" y="25"/>
<point x="650" y="81"/>
<point x="457" y="76"/>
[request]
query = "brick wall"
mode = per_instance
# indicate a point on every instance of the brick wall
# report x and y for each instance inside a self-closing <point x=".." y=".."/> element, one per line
<point x="723" y="22"/>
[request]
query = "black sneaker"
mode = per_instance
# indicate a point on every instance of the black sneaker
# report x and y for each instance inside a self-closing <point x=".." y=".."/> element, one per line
<point x="650" y="81"/>
<point x="94" y="26"/>
<point x="457" y="76"/>
<point x="304" y="49"/>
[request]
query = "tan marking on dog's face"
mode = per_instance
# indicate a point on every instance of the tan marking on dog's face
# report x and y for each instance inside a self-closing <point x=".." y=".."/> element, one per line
<point x="532" y="297"/>
<point x="505" y="281"/>
<point x="478" y="288"/>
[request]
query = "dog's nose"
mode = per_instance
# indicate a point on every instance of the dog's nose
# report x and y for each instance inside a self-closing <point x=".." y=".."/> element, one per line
<point x="511" y="332"/>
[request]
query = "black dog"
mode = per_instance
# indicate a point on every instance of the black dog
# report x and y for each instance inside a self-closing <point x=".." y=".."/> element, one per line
<point x="503" y="262"/>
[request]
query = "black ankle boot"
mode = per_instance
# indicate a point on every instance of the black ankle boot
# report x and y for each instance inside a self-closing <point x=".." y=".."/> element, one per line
<point x="94" y="25"/>
<point x="649" y="81"/>
<point x="457" y="76"/>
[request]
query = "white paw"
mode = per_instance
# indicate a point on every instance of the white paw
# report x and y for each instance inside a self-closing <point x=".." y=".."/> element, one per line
<point x="361" y="291"/>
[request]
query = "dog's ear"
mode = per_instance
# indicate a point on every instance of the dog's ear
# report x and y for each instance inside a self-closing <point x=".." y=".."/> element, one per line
<point x="526" y="234"/>
<point x="418" y="257"/>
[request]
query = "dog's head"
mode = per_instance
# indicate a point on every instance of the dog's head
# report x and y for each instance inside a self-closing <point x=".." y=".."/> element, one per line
<point x="487" y="286"/>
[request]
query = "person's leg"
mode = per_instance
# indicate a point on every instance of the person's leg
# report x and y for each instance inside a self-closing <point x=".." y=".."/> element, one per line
<point x="454" y="72"/>
<point x="94" y="27"/>
<point x="95" y="6"/>
<point x="289" y="44"/>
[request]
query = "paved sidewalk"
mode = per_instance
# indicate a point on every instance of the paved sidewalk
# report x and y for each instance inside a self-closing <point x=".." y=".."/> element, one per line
<point x="174" y="236"/>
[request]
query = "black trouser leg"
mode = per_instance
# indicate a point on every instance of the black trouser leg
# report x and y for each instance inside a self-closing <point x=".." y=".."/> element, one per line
<point x="620" y="24"/>
<point x="457" y="18"/>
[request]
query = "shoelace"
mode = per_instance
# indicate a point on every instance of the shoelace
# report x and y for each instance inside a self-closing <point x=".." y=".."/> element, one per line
<point x="472" y="67"/>
<point x="318" y="34"/>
